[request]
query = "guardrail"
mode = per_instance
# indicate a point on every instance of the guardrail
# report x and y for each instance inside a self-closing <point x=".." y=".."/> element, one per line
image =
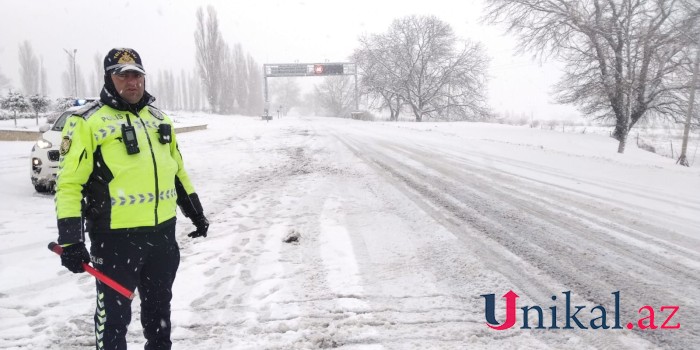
<point x="181" y="129"/>
<point x="30" y="135"/>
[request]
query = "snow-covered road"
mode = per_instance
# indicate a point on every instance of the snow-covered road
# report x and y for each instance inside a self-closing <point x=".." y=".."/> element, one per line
<point x="402" y="228"/>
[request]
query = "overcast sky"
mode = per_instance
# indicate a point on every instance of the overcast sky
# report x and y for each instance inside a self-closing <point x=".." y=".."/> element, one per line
<point x="273" y="31"/>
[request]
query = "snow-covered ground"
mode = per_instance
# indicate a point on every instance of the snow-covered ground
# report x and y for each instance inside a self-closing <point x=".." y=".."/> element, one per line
<point x="403" y="226"/>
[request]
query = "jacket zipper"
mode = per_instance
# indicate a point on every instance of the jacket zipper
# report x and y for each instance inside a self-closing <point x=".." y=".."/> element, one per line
<point x="155" y="167"/>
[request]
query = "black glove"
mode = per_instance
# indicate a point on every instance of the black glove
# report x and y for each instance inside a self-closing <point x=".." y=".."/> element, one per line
<point x="202" y="225"/>
<point x="74" y="256"/>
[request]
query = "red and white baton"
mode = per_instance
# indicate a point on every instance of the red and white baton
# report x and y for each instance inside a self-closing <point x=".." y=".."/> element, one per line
<point x="56" y="248"/>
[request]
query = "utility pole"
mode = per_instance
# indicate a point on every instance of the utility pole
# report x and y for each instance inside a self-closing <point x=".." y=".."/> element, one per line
<point x="683" y="160"/>
<point x="75" y="76"/>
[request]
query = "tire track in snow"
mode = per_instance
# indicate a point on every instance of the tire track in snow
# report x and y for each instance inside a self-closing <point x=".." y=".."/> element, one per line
<point x="489" y="219"/>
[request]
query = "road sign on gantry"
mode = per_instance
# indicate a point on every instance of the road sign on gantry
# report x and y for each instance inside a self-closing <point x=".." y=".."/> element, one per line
<point x="308" y="69"/>
<point x="285" y="70"/>
<point x="328" y="69"/>
<point x="272" y="70"/>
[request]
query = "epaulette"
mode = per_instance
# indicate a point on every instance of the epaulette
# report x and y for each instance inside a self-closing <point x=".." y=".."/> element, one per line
<point x="88" y="109"/>
<point x="155" y="112"/>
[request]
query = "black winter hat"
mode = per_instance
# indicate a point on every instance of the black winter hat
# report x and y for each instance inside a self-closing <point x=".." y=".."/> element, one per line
<point x="122" y="60"/>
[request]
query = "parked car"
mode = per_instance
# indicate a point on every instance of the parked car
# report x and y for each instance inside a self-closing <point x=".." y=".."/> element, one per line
<point x="45" y="153"/>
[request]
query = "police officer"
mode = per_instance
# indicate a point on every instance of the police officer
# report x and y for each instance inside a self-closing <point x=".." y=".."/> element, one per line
<point x="121" y="176"/>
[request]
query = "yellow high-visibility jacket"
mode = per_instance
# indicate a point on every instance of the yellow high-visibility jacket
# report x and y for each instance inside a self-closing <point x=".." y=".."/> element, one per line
<point x="114" y="191"/>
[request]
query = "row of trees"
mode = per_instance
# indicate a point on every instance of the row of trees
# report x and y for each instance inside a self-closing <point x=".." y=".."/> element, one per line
<point x="626" y="60"/>
<point x="33" y="81"/>
<point x="181" y="91"/>
<point x="415" y="64"/>
<point x="226" y="80"/>
<point x="232" y="79"/>
<point x="33" y="77"/>
<point x="418" y="65"/>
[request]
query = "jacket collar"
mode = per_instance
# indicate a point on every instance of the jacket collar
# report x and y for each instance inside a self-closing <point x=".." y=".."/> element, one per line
<point x="112" y="99"/>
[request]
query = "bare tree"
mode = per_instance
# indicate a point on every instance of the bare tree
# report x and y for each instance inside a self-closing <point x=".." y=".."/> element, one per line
<point x="228" y="81"/>
<point x="159" y="89"/>
<point x="184" y="91"/>
<point x="378" y="74"/>
<point x="255" y="101"/>
<point x="155" y="83"/>
<point x="421" y="62"/>
<point x="306" y="103"/>
<point x="692" y="115"/>
<point x="68" y="80"/>
<point x="309" y="103"/>
<point x="43" y="83"/>
<point x="286" y="92"/>
<point x="4" y="81"/>
<point x="621" y="55"/>
<point x="179" y="98"/>
<point x="29" y="69"/>
<point x="210" y="52"/>
<point x="170" y="88"/>
<point x="241" y="78"/>
<point x="82" y="85"/>
<point x="67" y="83"/>
<point x="336" y="96"/>
<point x="683" y="160"/>
<point x="166" y="89"/>
<point x="173" y="86"/>
<point x="196" y="98"/>
<point x="97" y="77"/>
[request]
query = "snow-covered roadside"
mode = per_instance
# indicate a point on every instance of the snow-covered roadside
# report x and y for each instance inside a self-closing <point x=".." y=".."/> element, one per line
<point x="376" y="266"/>
<point x="32" y="124"/>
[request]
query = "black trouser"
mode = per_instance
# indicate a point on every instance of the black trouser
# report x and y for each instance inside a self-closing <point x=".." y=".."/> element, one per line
<point x="148" y="261"/>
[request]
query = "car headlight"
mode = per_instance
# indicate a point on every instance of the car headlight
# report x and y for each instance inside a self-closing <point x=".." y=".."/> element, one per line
<point x="43" y="144"/>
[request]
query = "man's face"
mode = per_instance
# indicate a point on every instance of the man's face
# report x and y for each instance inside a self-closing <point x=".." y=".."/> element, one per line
<point x="130" y="85"/>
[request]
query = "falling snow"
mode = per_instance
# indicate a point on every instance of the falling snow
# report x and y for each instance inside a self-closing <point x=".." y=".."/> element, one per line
<point x="401" y="228"/>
